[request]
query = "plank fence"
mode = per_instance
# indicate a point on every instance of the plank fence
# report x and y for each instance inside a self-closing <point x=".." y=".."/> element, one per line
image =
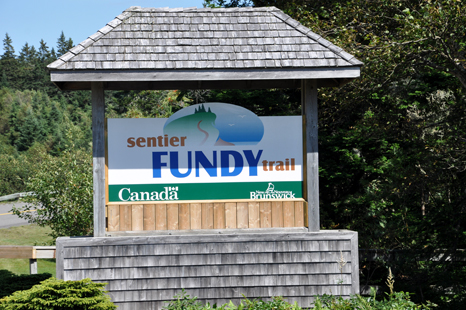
<point x="206" y="215"/>
<point x="28" y="252"/>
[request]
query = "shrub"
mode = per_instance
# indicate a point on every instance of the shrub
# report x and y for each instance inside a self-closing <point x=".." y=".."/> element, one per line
<point x="59" y="294"/>
<point x="10" y="283"/>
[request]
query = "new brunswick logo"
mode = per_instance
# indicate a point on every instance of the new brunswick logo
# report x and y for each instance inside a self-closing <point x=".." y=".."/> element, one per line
<point x="271" y="193"/>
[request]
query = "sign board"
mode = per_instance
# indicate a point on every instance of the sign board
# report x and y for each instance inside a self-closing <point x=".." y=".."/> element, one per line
<point x="210" y="151"/>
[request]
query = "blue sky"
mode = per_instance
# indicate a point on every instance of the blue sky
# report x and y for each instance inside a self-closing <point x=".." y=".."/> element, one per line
<point x="32" y="20"/>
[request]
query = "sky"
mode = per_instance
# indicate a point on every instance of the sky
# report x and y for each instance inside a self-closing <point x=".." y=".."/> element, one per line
<point x="32" y="20"/>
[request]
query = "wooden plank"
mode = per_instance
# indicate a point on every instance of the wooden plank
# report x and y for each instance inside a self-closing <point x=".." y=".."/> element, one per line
<point x="184" y="216"/>
<point x="299" y="214"/>
<point x="113" y="218"/>
<point x="277" y="214"/>
<point x="178" y="76"/>
<point x="288" y="214"/>
<point x="265" y="212"/>
<point x="242" y="218"/>
<point x="207" y="216"/>
<point x="125" y="217"/>
<point x="310" y="111"/>
<point x="254" y="214"/>
<point x="196" y="215"/>
<point x="106" y="160"/>
<point x="45" y="252"/>
<point x="161" y="217"/>
<point x="172" y="217"/>
<point x="137" y="217"/>
<point x="230" y="215"/>
<point x="219" y="215"/>
<point x="149" y="217"/>
<point x="167" y="202"/>
<point x="98" y="156"/>
<point x="13" y="251"/>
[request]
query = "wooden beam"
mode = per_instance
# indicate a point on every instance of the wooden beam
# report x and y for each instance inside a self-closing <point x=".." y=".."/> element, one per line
<point x="98" y="154"/>
<point x="179" y="75"/>
<point x="309" y="106"/>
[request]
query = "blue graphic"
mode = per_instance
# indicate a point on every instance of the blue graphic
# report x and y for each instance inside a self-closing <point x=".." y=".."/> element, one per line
<point x="216" y="123"/>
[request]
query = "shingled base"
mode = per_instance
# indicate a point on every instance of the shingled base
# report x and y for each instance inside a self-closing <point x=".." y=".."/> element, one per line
<point x="215" y="266"/>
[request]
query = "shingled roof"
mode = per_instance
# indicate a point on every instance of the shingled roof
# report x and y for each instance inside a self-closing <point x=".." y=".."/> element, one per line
<point x="203" y="48"/>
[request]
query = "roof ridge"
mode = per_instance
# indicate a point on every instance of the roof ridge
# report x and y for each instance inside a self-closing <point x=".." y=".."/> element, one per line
<point x="314" y="36"/>
<point x="195" y="9"/>
<point x="91" y="39"/>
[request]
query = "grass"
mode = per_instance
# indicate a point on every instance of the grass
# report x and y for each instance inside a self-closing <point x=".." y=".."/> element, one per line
<point x="26" y="235"/>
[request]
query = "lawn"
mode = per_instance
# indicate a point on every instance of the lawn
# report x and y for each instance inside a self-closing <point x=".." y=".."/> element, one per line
<point x="26" y="235"/>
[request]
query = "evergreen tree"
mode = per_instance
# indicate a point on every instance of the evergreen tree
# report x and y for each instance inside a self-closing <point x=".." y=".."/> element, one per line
<point x="29" y="131"/>
<point x="44" y="53"/>
<point x="63" y="44"/>
<point x="8" y="47"/>
<point x="9" y="64"/>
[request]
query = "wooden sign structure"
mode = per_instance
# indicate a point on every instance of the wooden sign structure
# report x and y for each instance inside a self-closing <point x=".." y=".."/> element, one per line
<point x="266" y="250"/>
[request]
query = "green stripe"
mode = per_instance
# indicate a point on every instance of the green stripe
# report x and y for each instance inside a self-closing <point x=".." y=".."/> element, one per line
<point x="203" y="191"/>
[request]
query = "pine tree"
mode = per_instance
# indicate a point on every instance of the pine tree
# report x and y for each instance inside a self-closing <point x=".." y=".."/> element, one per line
<point x="63" y="44"/>
<point x="44" y="53"/>
<point x="8" y="47"/>
<point x="9" y="64"/>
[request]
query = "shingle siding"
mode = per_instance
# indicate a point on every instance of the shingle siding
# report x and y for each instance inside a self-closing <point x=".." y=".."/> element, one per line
<point x="143" y="272"/>
<point x="232" y="38"/>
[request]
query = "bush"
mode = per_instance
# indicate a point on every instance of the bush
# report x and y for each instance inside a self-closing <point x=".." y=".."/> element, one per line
<point x="395" y="301"/>
<point x="59" y="294"/>
<point x="10" y="283"/>
<point x="63" y="195"/>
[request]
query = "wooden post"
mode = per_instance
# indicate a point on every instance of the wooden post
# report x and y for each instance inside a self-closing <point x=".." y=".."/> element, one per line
<point x="309" y="110"/>
<point x="32" y="266"/>
<point x="98" y="154"/>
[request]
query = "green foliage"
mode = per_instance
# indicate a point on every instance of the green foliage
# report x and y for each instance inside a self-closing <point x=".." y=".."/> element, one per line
<point x="395" y="301"/>
<point x="147" y="103"/>
<point x="10" y="283"/>
<point x="59" y="294"/>
<point x="63" y="195"/>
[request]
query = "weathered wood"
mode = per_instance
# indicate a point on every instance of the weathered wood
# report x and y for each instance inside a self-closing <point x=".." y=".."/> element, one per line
<point x="196" y="215"/>
<point x="113" y="218"/>
<point x="125" y="217"/>
<point x="207" y="216"/>
<point x="265" y="210"/>
<point x="142" y="271"/>
<point x="184" y="216"/>
<point x="310" y="111"/>
<point x="254" y="214"/>
<point x="288" y="214"/>
<point x="277" y="214"/>
<point x="137" y="217"/>
<point x="172" y="217"/>
<point x="98" y="154"/>
<point x="149" y="217"/>
<point x="32" y="266"/>
<point x="14" y="251"/>
<point x="242" y="218"/>
<point x="355" y="287"/>
<point x="230" y="215"/>
<point x="161" y="217"/>
<point x="226" y="75"/>
<point x="219" y="215"/>
<point x="298" y="214"/>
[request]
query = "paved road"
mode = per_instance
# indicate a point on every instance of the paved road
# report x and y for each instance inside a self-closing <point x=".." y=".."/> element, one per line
<point x="10" y="220"/>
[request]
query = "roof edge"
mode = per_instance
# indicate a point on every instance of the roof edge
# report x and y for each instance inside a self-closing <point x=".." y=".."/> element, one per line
<point x="319" y="39"/>
<point x="90" y="40"/>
